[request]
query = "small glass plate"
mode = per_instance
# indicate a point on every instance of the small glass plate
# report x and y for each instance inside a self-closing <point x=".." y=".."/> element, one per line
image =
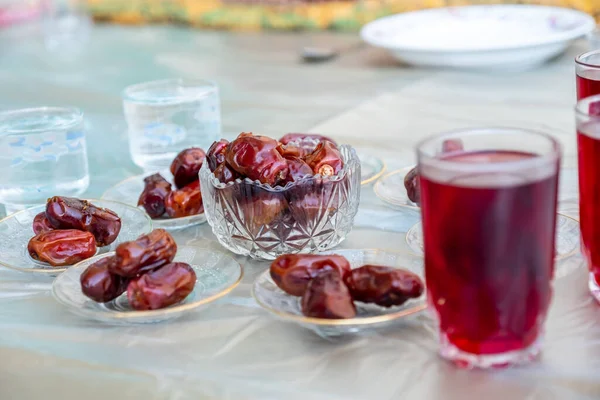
<point x="371" y="168"/>
<point x="217" y="275"/>
<point x="567" y="242"/>
<point x="129" y="190"/>
<point x="287" y="307"/>
<point x="391" y="189"/>
<point x="16" y="231"/>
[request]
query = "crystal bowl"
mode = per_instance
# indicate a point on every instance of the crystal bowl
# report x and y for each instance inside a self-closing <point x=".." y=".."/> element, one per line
<point x="312" y="214"/>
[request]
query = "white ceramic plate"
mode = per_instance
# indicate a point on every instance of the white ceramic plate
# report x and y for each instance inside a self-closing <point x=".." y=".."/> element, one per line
<point x="217" y="274"/>
<point x="486" y="36"/>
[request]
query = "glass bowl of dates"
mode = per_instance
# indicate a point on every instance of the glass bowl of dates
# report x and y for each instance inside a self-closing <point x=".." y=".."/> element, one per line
<point x="172" y="198"/>
<point x="264" y="198"/>
<point x="147" y="280"/>
<point x="48" y="239"/>
<point x="344" y="291"/>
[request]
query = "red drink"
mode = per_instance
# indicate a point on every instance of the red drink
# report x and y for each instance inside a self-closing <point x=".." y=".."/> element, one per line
<point x="588" y="83"/>
<point x="489" y="252"/>
<point x="589" y="195"/>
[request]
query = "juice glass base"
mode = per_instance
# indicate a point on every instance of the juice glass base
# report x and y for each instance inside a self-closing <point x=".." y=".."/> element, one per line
<point x="466" y="360"/>
<point x="594" y="287"/>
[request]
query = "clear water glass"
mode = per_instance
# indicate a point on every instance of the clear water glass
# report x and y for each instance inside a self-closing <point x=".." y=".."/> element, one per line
<point x="66" y="25"/>
<point x="42" y="154"/>
<point x="165" y="117"/>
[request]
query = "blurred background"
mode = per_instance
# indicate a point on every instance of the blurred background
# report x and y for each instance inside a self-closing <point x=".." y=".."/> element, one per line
<point x="253" y="15"/>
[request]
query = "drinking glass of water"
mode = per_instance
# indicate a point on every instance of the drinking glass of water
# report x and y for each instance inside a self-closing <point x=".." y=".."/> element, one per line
<point x="42" y="154"/>
<point x="165" y="117"/>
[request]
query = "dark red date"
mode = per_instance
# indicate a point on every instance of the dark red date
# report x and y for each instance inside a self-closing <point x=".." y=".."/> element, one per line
<point x="62" y="247"/>
<point x="257" y="158"/>
<point x="99" y="284"/>
<point x="185" y="202"/>
<point x="297" y="169"/>
<point x="260" y="209"/>
<point x="41" y="224"/>
<point x="225" y="174"/>
<point x="326" y="159"/>
<point x="292" y="137"/>
<point x="385" y="286"/>
<point x="293" y="272"/>
<point x="186" y="165"/>
<point x="291" y="151"/>
<point x="413" y="186"/>
<point x="327" y="296"/>
<point x="72" y="213"/>
<point x="144" y="254"/>
<point x="216" y="154"/>
<point x="156" y="190"/>
<point x="164" y="287"/>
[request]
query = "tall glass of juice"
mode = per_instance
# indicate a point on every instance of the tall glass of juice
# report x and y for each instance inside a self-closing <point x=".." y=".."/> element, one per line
<point x="587" y="113"/>
<point x="587" y="66"/>
<point x="489" y="217"/>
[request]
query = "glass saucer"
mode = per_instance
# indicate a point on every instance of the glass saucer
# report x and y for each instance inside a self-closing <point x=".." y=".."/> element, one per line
<point x="217" y="275"/>
<point x="129" y="190"/>
<point x="391" y="189"/>
<point x="288" y="308"/>
<point x="567" y="242"/>
<point x="16" y="231"/>
<point x="371" y="168"/>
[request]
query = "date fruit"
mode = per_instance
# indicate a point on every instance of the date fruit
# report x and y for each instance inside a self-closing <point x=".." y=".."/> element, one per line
<point x="185" y="202"/>
<point x="166" y="286"/>
<point x="257" y="158"/>
<point x="62" y="247"/>
<point x="291" y="151"/>
<point x="225" y="174"/>
<point x="413" y="186"/>
<point x="326" y="159"/>
<point x="186" y="165"/>
<point x="156" y="190"/>
<point x="327" y="296"/>
<point x="385" y="286"/>
<point x="99" y="284"/>
<point x="216" y="154"/>
<point x="144" y="254"/>
<point x="292" y="272"/>
<point x="72" y="213"/>
<point x="292" y="137"/>
<point x="41" y="223"/>
<point x="297" y="169"/>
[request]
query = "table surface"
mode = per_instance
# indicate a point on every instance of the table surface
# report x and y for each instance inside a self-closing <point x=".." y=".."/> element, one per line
<point x="235" y="350"/>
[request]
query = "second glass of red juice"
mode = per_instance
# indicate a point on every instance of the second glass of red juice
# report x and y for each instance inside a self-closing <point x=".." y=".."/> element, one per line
<point x="587" y="113"/>
<point x="489" y="217"/>
<point x="587" y="67"/>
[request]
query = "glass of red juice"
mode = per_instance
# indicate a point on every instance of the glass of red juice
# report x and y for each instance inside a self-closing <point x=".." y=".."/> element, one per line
<point x="489" y="218"/>
<point x="587" y="114"/>
<point x="587" y="66"/>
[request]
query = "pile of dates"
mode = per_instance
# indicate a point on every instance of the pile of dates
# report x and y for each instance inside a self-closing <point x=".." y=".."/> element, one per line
<point x="328" y="286"/>
<point x="278" y="163"/>
<point x="160" y="200"/>
<point x="70" y="230"/>
<point x="143" y="268"/>
<point x="273" y="162"/>
<point x="411" y="180"/>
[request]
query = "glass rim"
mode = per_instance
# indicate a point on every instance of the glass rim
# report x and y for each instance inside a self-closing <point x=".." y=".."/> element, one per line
<point x="579" y="59"/>
<point x="128" y="93"/>
<point x="552" y="155"/>
<point x="76" y="114"/>
<point x="584" y="112"/>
